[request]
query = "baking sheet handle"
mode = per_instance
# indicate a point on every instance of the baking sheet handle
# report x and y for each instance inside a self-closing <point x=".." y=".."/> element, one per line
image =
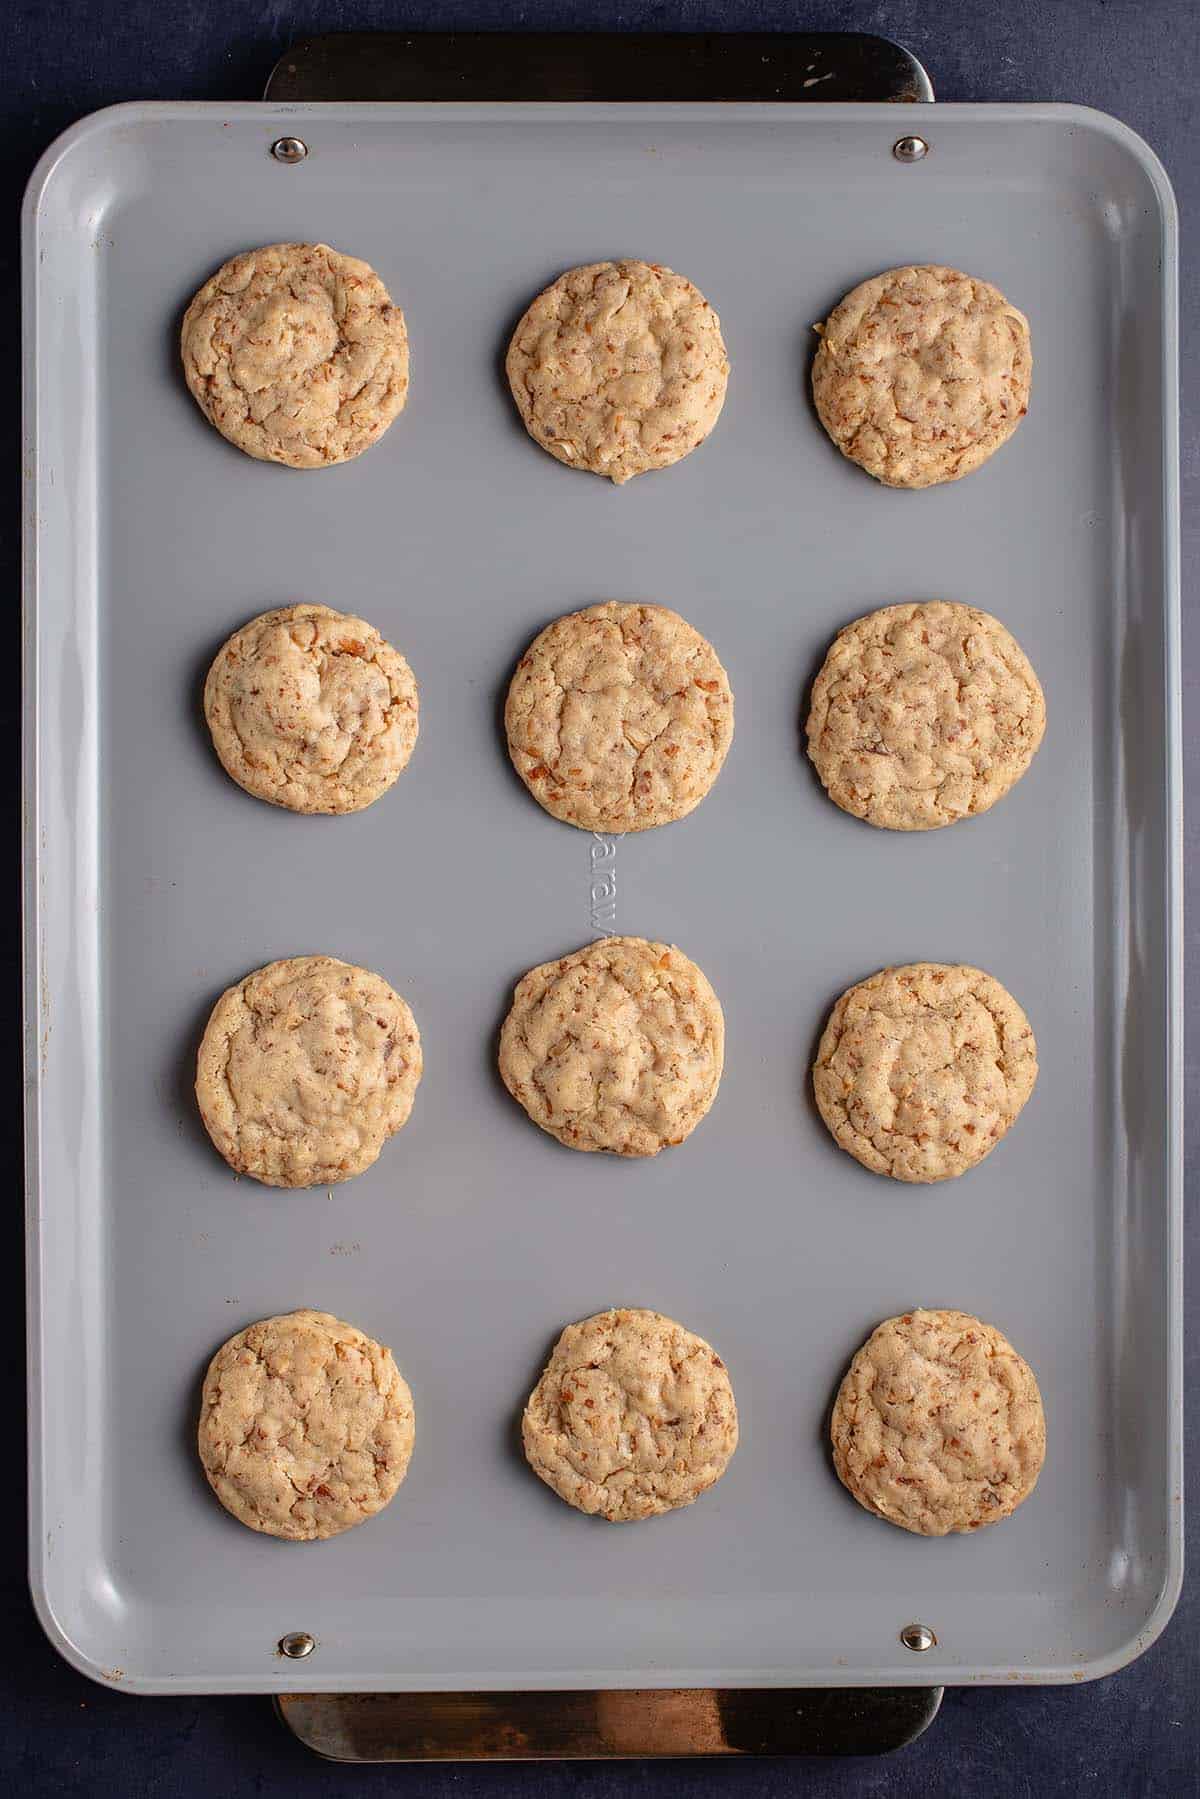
<point x="606" y="66"/>
<point x="583" y="1726"/>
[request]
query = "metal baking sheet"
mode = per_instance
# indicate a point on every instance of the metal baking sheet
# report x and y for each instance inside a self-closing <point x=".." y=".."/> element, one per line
<point x="153" y="882"/>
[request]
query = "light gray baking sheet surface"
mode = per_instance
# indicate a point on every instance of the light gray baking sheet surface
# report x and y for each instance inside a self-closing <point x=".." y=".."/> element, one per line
<point x="475" y="1237"/>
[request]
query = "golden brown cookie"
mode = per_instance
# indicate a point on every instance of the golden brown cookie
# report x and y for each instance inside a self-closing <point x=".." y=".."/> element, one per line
<point x="923" y="714"/>
<point x="921" y="374"/>
<point x="619" y="717"/>
<point x="619" y="367"/>
<point x="922" y="1069"/>
<point x="306" y="1426"/>
<point x="938" y="1425"/>
<point x="306" y="1068"/>
<point x="311" y="709"/>
<point x="296" y="354"/>
<point x="619" y="1046"/>
<point x="633" y="1416"/>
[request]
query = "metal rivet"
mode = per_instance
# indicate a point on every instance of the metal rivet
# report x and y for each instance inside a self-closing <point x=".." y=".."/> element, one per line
<point x="918" y="1637"/>
<point x="289" y="149"/>
<point x="910" y="149"/>
<point x="296" y="1645"/>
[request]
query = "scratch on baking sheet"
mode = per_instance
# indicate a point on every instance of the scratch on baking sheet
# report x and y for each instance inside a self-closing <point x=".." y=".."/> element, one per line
<point x="813" y="79"/>
<point x="45" y="992"/>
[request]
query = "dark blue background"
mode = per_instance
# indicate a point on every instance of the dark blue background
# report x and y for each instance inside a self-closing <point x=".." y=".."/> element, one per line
<point x="1135" y="1734"/>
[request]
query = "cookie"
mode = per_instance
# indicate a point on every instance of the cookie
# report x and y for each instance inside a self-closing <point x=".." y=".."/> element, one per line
<point x="311" y="709"/>
<point x="633" y="1416"/>
<point x="619" y="367"/>
<point x="938" y="1425"/>
<point x="619" y="1046"/>
<point x="923" y="714"/>
<point x="619" y="717"/>
<point x="922" y="1069"/>
<point x="306" y="1426"/>
<point x="921" y="374"/>
<point x="296" y="354"/>
<point x="306" y="1068"/>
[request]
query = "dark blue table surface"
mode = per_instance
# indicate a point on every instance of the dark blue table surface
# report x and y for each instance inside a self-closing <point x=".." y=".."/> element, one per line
<point x="1134" y="1734"/>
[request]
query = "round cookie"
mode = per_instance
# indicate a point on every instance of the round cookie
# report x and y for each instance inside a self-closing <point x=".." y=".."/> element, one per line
<point x="619" y="367"/>
<point x="619" y="717"/>
<point x="923" y="714"/>
<point x="921" y="374"/>
<point x="306" y="1426"/>
<point x="311" y="709"/>
<point x="618" y="1047"/>
<point x="938" y="1425"/>
<point x="306" y="1068"/>
<point x="633" y="1416"/>
<point x="296" y="354"/>
<point x="922" y="1069"/>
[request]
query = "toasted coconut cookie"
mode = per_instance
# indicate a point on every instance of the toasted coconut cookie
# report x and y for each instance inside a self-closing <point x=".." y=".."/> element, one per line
<point x="633" y="1416"/>
<point x="306" y="1426"/>
<point x="921" y="374"/>
<point x="306" y="1068"/>
<point x="922" y="1069"/>
<point x="619" y="367"/>
<point x="296" y="354"/>
<point x="619" y="718"/>
<point x="311" y="709"/>
<point x="618" y="1047"/>
<point x="938" y="1425"/>
<point x="924" y="714"/>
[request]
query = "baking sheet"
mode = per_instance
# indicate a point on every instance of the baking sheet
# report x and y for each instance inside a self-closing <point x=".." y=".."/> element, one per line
<point x="153" y="882"/>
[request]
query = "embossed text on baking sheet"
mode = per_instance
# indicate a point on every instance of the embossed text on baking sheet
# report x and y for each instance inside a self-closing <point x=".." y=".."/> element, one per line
<point x="602" y="889"/>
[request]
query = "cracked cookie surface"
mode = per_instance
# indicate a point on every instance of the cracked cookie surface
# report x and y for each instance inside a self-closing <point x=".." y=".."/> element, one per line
<point x="922" y="1069"/>
<point x="938" y="1425"/>
<point x="306" y="1068"/>
<point x="633" y="1416"/>
<point x="923" y="714"/>
<point x="619" y="367"/>
<point x="617" y="1047"/>
<point x="921" y="374"/>
<point x="296" y="354"/>
<point x="306" y="1426"/>
<point x="619" y="717"/>
<point x="311" y="709"/>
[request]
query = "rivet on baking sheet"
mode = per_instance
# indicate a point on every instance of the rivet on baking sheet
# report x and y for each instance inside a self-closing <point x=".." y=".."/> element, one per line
<point x="918" y="1637"/>
<point x="296" y="1645"/>
<point x="910" y="149"/>
<point x="289" y="149"/>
